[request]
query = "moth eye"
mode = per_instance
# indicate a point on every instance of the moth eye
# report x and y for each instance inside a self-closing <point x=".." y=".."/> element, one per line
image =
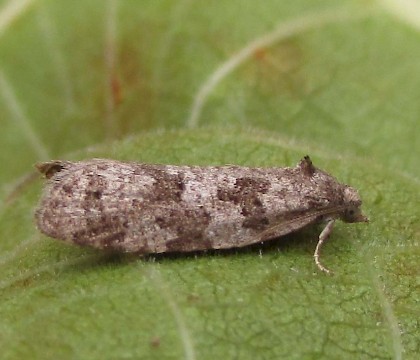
<point x="351" y="214"/>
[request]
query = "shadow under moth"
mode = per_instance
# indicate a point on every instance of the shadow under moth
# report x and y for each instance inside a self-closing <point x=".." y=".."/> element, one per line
<point x="144" y="208"/>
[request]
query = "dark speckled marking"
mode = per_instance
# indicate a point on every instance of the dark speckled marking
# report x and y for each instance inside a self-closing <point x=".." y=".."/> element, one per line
<point x="68" y="189"/>
<point x="187" y="225"/>
<point x="167" y="186"/>
<point x="253" y="184"/>
<point x="190" y="232"/>
<point x="245" y="194"/>
<point x="244" y="187"/>
<point x="92" y="195"/>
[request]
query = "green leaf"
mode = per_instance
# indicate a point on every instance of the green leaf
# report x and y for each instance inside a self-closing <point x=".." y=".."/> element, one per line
<point x="238" y="82"/>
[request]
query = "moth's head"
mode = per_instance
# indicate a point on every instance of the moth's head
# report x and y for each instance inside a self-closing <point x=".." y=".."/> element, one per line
<point x="352" y="202"/>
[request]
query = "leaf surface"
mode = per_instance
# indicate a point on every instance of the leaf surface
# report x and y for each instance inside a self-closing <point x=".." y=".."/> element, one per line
<point x="205" y="83"/>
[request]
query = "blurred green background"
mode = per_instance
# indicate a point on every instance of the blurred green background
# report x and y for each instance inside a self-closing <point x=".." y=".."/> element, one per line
<point x="212" y="82"/>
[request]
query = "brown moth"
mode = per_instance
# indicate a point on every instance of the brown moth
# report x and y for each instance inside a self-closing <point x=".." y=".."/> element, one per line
<point x="144" y="208"/>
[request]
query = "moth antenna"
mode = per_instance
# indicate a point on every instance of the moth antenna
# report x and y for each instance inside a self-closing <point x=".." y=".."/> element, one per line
<point x="322" y="238"/>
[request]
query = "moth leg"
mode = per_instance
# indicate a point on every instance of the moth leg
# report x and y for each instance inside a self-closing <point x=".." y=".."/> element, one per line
<point x="322" y="238"/>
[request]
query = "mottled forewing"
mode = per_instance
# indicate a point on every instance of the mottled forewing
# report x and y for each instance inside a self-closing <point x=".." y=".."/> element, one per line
<point x="157" y="208"/>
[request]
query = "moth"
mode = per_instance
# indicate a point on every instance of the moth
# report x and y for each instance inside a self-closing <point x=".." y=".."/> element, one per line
<point x="145" y="208"/>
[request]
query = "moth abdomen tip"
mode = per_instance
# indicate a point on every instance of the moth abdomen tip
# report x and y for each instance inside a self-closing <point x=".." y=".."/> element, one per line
<point x="50" y="168"/>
